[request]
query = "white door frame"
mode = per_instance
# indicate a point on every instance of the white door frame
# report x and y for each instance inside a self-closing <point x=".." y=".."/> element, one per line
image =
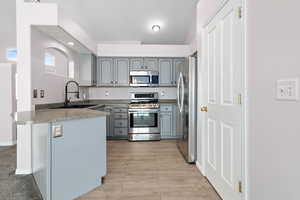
<point x="201" y="125"/>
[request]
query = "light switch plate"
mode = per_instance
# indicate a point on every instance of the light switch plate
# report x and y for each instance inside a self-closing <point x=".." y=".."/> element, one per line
<point x="287" y="89"/>
<point x="57" y="131"/>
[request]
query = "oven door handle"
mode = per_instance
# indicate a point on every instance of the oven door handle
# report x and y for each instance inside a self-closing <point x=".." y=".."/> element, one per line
<point x="143" y="111"/>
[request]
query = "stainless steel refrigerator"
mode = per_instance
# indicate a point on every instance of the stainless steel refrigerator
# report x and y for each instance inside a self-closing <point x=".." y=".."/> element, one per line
<point x="187" y="108"/>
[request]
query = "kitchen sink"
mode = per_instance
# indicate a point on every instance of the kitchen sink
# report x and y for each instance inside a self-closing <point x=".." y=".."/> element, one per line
<point x="75" y="106"/>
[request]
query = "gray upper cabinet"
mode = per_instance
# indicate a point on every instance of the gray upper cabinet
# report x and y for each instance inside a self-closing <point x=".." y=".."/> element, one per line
<point x="121" y="71"/>
<point x="94" y="70"/>
<point x="177" y="64"/>
<point x="87" y="70"/>
<point x="151" y="64"/>
<point x="114" y="71"/>
<point x="165" y="72"/>
<point x="136" y="63"/>
<point x="106" y="72"/>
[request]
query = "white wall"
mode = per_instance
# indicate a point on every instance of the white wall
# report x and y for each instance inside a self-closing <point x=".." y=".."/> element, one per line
<point x="141" y="50"/>
<point x="53" y="84"/>
<point x="8" y="27"/>
<point x="26" y="16"/>
<point x="123" y="93"/>
<point x="272" y="53"/>
<point x="191" y="38"/>
<point x="29" y="14"/>
<point x="273" y="49"/>
<point x="8" y="104"/>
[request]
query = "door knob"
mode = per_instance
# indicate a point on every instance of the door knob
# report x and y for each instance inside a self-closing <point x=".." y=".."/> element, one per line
<point x="204" y="109"/>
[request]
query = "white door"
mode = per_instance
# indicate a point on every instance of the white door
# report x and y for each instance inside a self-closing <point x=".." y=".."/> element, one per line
<point x="223" y="90"/>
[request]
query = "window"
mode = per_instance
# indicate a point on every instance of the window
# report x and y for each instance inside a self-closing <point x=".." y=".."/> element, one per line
<point x="49" y="63"/>
<point x="71" y="70"/>
<point x="11" y="54"/>
<point x="49" y="60"/>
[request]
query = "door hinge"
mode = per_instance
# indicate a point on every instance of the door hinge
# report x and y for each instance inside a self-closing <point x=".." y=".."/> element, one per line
<point x="240" y="99"/>
<point x="240" y="12"/>
<point x="240" y="187"/>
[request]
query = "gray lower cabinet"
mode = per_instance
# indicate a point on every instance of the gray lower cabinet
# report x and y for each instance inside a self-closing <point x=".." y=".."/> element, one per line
<point x="60" y="163"/>
<point x="166" y="124"/>
<point x="118" y="122"/>
<point x="165" y="72"/>
<point x="167" y="121"/>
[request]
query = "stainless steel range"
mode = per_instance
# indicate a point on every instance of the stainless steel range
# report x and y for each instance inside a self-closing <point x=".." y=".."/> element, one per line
<point x="143" y="114"/>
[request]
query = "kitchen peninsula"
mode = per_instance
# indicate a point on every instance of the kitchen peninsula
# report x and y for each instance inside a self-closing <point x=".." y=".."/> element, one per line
<point x="68" y="150"/>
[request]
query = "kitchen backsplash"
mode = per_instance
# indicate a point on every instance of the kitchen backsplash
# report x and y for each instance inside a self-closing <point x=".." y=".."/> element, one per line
<point x="123" y="93"/>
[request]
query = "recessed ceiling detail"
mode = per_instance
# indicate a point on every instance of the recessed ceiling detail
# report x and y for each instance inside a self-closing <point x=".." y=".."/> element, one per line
<point x="156" y="28"/>
<point x="132" y="20"/>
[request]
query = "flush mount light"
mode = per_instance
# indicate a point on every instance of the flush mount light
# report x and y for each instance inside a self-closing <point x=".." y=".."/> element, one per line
<point x="71" y="43"/>
<point x="156" y="28"/>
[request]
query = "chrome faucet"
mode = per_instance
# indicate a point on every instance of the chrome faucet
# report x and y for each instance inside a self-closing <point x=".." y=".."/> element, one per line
<point x="67" y="100"/>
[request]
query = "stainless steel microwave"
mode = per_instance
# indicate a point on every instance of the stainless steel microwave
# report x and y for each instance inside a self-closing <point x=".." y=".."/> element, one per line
<point x="144" y="78"/>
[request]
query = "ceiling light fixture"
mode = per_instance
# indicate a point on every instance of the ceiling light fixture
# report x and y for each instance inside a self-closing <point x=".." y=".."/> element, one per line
<point x="156" y="28"/>
<point x="71" y="43"/>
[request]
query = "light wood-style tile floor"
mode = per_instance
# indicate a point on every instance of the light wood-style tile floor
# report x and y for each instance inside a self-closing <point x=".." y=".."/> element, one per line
<point x="150" y="171"/>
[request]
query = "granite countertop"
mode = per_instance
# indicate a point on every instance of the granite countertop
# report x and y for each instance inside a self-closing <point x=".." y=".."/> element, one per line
<point x="99" y="103"/>
<point x="45" y="115"/>
<point x="56" y="115"/>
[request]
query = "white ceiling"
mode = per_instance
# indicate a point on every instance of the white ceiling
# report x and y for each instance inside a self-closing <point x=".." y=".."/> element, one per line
<point x="114" y="21"/>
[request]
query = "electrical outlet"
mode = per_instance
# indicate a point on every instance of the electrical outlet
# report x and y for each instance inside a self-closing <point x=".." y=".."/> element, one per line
<point x="287" y="89"/>
<point x="42" y="93"/>
<point x="35" y="93"/>
<point x="106" y="93"/>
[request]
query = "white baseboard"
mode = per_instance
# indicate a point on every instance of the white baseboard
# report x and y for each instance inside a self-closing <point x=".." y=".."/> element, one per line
<point x="199" y="167"/>
<point x="7" y="144"/>
<point x="23" y="172"/>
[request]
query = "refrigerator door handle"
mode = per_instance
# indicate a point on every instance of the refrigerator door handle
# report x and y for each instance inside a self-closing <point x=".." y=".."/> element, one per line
<point x="178" y="90"/>
<point x="182" y="98"/>
<point x="180" y="85"/>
